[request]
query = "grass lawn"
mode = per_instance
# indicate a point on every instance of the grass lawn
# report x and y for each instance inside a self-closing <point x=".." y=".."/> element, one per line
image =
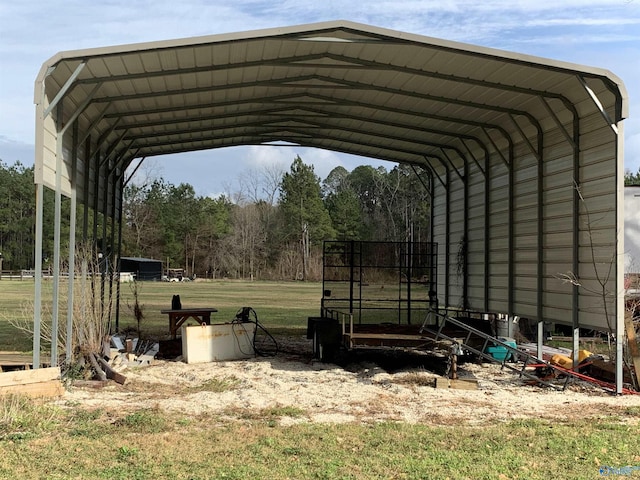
<point x="279" y="305"/>
<point x="65" y="441"/>
<point x="44" y="441"/>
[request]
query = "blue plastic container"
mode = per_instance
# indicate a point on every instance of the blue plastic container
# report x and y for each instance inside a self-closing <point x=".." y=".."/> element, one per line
<point x="498" y="352"/>
<point x="501" y="353"/>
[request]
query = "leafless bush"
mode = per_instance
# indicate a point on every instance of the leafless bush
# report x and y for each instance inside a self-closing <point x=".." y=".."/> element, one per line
<point x="90" y="312"/>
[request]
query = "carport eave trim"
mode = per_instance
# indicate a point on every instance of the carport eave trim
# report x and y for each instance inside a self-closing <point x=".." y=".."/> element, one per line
<point x="460" y="47"/>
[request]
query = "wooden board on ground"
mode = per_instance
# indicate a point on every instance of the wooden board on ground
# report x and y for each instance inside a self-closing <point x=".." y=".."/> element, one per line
<point x="48" y="389"/>
<point x="459" y="383"/>
<point x="20" y="360"/>
<point x="95" y="384"/>
<point x="111" y="373"/>
<point x="41" y="382"/>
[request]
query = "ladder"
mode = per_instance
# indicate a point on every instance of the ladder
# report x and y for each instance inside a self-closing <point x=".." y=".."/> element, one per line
<point x="487" y="340"/>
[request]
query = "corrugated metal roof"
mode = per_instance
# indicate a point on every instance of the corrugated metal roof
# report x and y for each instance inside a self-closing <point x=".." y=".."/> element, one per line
<point x="338" y="85"/>
<point x="513" y="136"/>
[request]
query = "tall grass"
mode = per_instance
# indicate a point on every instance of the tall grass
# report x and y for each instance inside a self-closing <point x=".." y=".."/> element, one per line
<point x="22" y="418"/>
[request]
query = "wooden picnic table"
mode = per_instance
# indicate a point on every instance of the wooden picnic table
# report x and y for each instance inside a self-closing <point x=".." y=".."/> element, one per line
<point x="178" y="317"/>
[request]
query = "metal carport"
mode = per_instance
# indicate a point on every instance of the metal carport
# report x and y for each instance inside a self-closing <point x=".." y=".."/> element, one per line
<point x="524" y="154"/>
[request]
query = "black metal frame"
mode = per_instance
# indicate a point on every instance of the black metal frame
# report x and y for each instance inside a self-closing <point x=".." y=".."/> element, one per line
<point x="379" y="282"/>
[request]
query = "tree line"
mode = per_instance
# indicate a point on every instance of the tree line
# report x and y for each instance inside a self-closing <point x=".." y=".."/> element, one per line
<point x="272" y="227"/>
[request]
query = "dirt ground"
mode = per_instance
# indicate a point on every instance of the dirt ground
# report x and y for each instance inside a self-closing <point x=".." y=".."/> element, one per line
<point x="396" y="386"/>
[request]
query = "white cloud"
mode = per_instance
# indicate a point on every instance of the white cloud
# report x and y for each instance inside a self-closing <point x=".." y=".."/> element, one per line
<point x="256" y="156"/>
<point x="582" y="21"/>
<point x="323" y="161"/>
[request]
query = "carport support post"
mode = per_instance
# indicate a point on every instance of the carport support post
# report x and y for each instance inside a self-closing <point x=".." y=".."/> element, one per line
<point x="620" y="304"/>
<point x="540" y="338"/>
<point x="72" y="268"/>
<point x="575" y="293"/>
<point x="351" y="275"/>
<point x="119" y="253"/>
<point x="56" y="240"/>
<point x="72" y="250"/>
<point x="37" y="301"/>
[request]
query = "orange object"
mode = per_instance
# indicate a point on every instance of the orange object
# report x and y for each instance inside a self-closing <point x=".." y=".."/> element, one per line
<point x="567" y="362"/>
<point x="561" y="360"/>
<point x="583" y="354"/>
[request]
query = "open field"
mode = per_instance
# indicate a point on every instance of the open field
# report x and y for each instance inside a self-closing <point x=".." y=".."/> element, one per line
<point x="279" y="305"/>
<point x="292" y="417"/>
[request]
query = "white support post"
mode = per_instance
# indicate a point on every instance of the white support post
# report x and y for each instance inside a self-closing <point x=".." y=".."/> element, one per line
<point x="37" y="301"/>
<point x="540" y="338"/>
<point x="72" y="247"/>
<point x="620" y="292"/>
<point x="72" y="266"/>
<point x="56" y="245"/>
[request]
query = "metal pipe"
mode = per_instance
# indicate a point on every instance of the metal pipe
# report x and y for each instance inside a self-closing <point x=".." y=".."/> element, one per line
<point x="56" y="240"/>
<point x="37" y="301"/>
<point x="72" y="250"/>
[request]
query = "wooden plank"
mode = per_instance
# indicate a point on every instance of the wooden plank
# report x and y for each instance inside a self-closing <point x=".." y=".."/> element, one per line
<point x="24" y="377"/>
<point x="463" y="384"/>
<point x="441" y="383"/>
<point x="634" y="351"/>
<point x="51" y="388"/>
<point x="19" y="359"/>
<point x="387" y="336"/>
<point x="458" y="384"/>
<point x="581" y="339"/>
<point x="111" y="373"/>
<point x="95" y="384"/>
<point x="197" y="311"/>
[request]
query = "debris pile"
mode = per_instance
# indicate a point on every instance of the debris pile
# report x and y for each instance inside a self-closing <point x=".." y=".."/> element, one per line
<point x="592" y="368"/>
<point x="131" y="352"/>
<point x="125" y="352"/>
<point x="119" y="352"/>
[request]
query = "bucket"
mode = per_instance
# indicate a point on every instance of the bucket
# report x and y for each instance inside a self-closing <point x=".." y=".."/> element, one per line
<point x="505" y="326"/>
<point x="502" y="326"/>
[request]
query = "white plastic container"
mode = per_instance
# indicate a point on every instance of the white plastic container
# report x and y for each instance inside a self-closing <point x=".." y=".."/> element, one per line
<point x="222" y="341"/>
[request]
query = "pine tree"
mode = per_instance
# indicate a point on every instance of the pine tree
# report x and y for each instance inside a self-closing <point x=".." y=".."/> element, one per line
<point x="307" y="219"/>
<point x="632" y="178"/>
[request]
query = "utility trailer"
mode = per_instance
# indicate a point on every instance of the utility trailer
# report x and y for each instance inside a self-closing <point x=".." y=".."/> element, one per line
<point x="383" y="295"/>
<point x="374" y="294"/>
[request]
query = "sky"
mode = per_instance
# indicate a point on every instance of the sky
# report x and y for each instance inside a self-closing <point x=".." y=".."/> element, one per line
<point x="598" y="33"/>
